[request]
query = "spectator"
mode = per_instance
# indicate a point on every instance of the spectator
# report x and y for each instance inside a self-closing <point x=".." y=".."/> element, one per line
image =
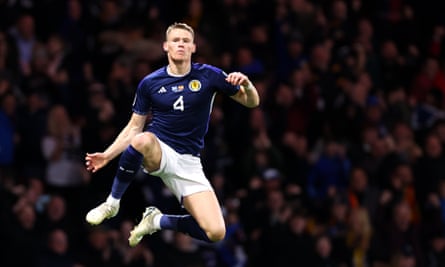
<point x="9" y="61"/>
<point x="426" y="80"/>
<point x="296" y="164"/>
<point x="61" y="146"/>
<point x="436" y="251"/>
<point x="55" y="214"/>
<point x="435" y="211"/>
<point x="392" y="66"/>
<point x="329" y="174"/>
<point x="8" y="132"/>
<point x="405" y="143"/>
<point x="337" y="229"/>
<point x="398" y="233"/>
<point x="58" y="69"/>
<point x="32" y="127"/>
<point x="358" y="236"/>
<point x="292" y="55"/>
<point x="25" y="39"/>
<point x="98" y="251"/>
<point x="295" y="241"/>
<point x="22" y="237"/>
<point x="56" y="252"/>
<point x="361" y="194"/>
<point x="248" y="63"/>
<point x="262" y="153"/>
<point x="323" y="253"/>
<point x="274" y="215"/>
<point x="73" y="30"/>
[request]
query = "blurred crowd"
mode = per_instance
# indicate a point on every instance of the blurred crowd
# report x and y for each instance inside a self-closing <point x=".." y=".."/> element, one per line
<point x="342" y="165"/>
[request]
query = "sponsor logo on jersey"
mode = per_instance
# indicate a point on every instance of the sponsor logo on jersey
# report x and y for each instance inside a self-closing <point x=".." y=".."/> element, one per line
<point x="162" y="90"/>
<point x="178" y="88"/>
<point x="195" y="85"/>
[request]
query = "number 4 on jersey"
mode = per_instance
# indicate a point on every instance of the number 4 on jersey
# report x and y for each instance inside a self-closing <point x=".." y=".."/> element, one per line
<point x="179" y="104"/>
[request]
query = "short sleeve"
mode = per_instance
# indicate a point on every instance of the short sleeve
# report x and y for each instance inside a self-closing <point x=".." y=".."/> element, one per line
<point x="141" y="102"/>
<point x="221" y="83"/>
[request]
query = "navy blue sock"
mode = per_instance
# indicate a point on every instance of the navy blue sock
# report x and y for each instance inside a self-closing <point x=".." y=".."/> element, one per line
<point x="129" y="163"/>
<point x="185" y="224"/>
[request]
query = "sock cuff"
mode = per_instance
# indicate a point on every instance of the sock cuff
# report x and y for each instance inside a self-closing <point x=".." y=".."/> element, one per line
<point x="157" y="221"/>
<point x="112" y="200"/>
<point x="133" y="151"/>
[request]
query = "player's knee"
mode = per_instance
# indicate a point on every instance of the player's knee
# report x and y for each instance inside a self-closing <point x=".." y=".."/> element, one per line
<point x="143" y="141"/>
<point x="216" y="234"/>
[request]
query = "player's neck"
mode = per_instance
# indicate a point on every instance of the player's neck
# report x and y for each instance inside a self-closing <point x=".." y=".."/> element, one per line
<point x="178" y="69"/>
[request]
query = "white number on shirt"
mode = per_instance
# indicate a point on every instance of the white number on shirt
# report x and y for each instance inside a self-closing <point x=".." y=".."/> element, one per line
<point x="179" y="104"/>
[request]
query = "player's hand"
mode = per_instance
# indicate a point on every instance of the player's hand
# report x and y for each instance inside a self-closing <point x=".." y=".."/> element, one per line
<point x="238" y="78"/>
<point x="95" y="161"/>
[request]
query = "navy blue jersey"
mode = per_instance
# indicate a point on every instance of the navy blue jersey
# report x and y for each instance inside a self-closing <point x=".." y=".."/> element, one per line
<point x="181" y="106"/>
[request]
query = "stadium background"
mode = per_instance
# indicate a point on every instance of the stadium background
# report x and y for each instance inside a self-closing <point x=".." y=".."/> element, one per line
<point x="341" y="165"/>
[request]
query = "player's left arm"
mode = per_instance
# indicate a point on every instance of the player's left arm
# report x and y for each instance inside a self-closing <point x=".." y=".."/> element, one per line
<point x="247" y="95"/>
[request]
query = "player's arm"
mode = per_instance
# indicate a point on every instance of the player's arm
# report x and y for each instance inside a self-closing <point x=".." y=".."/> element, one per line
<point x="133" y="127"/>
<point x="96" y="161"/>
<point x="247" y="95"/>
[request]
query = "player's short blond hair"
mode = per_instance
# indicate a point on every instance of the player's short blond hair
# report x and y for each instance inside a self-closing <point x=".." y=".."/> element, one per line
<point x="180" y="25"/>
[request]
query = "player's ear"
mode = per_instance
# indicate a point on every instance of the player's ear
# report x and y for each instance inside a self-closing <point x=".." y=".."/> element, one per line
<point x="164" y="46"/>
<point x="194" y="48"/>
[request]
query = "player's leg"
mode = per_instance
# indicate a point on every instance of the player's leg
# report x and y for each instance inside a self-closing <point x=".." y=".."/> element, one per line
<point x="205" y="209"/>
<point x="183" y="175"/>
<point x="205" y="221"/>
<point x="144" y="145"/>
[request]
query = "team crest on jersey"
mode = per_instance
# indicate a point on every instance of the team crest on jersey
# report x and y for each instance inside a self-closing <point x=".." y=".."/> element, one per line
<point x="178" y="88"/>
<point x="195" y="85"/>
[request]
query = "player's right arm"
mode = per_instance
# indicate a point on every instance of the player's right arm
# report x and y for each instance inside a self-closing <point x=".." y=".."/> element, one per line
<point x="95" y="161"/>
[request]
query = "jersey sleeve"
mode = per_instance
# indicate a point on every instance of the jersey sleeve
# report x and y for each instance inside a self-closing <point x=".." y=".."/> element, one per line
<point x="221" y="83"/>
<point x="142" y="102"/>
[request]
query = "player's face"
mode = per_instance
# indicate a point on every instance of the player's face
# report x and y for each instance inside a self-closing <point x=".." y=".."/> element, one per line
<point x="179" y="45"/>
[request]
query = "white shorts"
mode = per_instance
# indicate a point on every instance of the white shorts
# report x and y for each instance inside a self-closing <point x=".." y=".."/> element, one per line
<point x="181" y="173"/>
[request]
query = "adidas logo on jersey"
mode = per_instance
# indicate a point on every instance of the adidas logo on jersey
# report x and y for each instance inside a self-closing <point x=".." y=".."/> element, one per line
<point x="162" y="90"/>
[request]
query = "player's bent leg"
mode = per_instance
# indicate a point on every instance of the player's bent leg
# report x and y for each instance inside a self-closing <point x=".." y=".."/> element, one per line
<point x="205" y="209"/>
<point x="145" y="148"/>
<point x="205" y="223"/>
<point x="148" y="144"/>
